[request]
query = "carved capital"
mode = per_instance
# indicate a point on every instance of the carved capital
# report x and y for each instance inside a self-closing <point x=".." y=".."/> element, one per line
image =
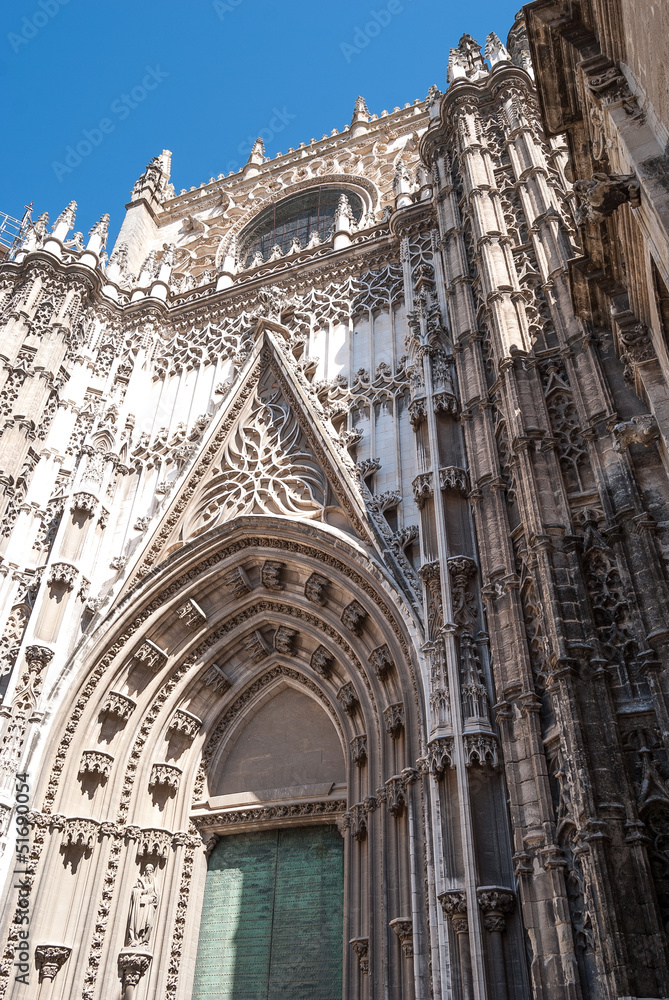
<point x="403" y="928"/>
<point x="50" y="958"/>
<point x="132" y="966"/>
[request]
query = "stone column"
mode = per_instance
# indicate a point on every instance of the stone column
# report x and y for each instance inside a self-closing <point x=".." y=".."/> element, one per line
<point x="496" y="904"/>
<point x="454" y="905"/>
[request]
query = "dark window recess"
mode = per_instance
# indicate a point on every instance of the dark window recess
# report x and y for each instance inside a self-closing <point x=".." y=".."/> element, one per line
<point x="295" y="218"/>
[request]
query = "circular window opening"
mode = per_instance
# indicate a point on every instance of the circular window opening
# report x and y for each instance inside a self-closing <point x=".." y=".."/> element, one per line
<point x="300" y="218"/>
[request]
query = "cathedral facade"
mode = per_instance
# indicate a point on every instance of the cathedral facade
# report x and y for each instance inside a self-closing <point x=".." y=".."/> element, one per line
<point x="333" y="579"/>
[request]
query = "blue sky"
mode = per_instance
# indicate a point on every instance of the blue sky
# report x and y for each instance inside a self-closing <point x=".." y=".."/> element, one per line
<point x="124" y="79"/>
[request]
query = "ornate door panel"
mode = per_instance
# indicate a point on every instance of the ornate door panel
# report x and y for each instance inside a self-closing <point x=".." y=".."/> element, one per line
<point x="272" y="917"/>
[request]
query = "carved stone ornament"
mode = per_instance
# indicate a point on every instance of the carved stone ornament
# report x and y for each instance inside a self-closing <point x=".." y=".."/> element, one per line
<point x="132" y="966"/>
<point x="215" y="679"/>
<point x="481" y="749"/>
<point x="315" y="588"/>
<point x="321" y="661"/>
<point x="454" y="905"/>
<point x="393" y="718"/>
<point x="96" y="762"/>
<point x="604" y="193"/>
<point x="151" y="656"/>
<point x="348" y="699"/>
<point x="185" y="724"/>
<point x="270" y="574"/>
<point x="358" y="821"/>
<point x="165" y="776"/>
<point x="403" y="928"/>
<point x="237" y="582"/>
<point x="454" y="479"/>
<point x="353" y="617"/>
<point x="284" y="640"/>
<point x="440" y="755"/>
<point x="80" y="832"/>
<point x="396" y="795"/>
<point x="256" y="646"/>
<point x="85" y="502"/>
<point x="359" y="750"/>
<point x="152" y="842"/>
<point x="191" y="614"/>
<point x="381" y="661"/>
<point x="119" y="706"/>
<point x="641" y="429"/>
<point x="422" y="489"/>
<point x="50" y="958"/>
<point x="62" y="573"/>
<point x="496" y="903"/>
<point x="360" y="947"/>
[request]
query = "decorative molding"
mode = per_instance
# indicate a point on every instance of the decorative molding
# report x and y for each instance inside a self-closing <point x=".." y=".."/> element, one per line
<point x="271" y="814"/>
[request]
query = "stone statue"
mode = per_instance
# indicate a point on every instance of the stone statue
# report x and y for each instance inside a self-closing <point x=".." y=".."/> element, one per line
<point x="143" y="905"/>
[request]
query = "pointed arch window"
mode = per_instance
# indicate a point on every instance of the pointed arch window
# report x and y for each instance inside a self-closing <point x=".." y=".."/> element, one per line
<point x="298" y="217"/>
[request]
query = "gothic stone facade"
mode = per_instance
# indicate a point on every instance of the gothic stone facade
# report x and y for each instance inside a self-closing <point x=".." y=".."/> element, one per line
<point x="328" y="437"/>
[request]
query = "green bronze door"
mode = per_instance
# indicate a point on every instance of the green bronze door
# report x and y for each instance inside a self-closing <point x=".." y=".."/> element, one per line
<point x="272" y="919"/>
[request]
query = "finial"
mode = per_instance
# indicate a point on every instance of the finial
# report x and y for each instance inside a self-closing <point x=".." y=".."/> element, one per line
<point x="495" y="51"/>
<point x="101" y="229"/>
<point x="466" y="62"/>
<point x="257" y="154"/>
<point x="66" y="218"/>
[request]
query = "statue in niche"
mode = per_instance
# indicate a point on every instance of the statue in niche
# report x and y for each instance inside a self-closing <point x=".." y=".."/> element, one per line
<point x="143" y="905"/>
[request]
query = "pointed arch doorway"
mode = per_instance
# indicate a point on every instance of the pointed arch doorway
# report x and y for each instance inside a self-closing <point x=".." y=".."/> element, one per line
<point x="273" y="916"/>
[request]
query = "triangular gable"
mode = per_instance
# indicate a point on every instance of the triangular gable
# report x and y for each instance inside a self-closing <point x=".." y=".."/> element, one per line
<point x="268" y="451"/>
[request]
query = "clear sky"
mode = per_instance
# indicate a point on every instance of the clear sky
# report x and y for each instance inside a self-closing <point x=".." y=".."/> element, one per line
<point x="120" y="80"/>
